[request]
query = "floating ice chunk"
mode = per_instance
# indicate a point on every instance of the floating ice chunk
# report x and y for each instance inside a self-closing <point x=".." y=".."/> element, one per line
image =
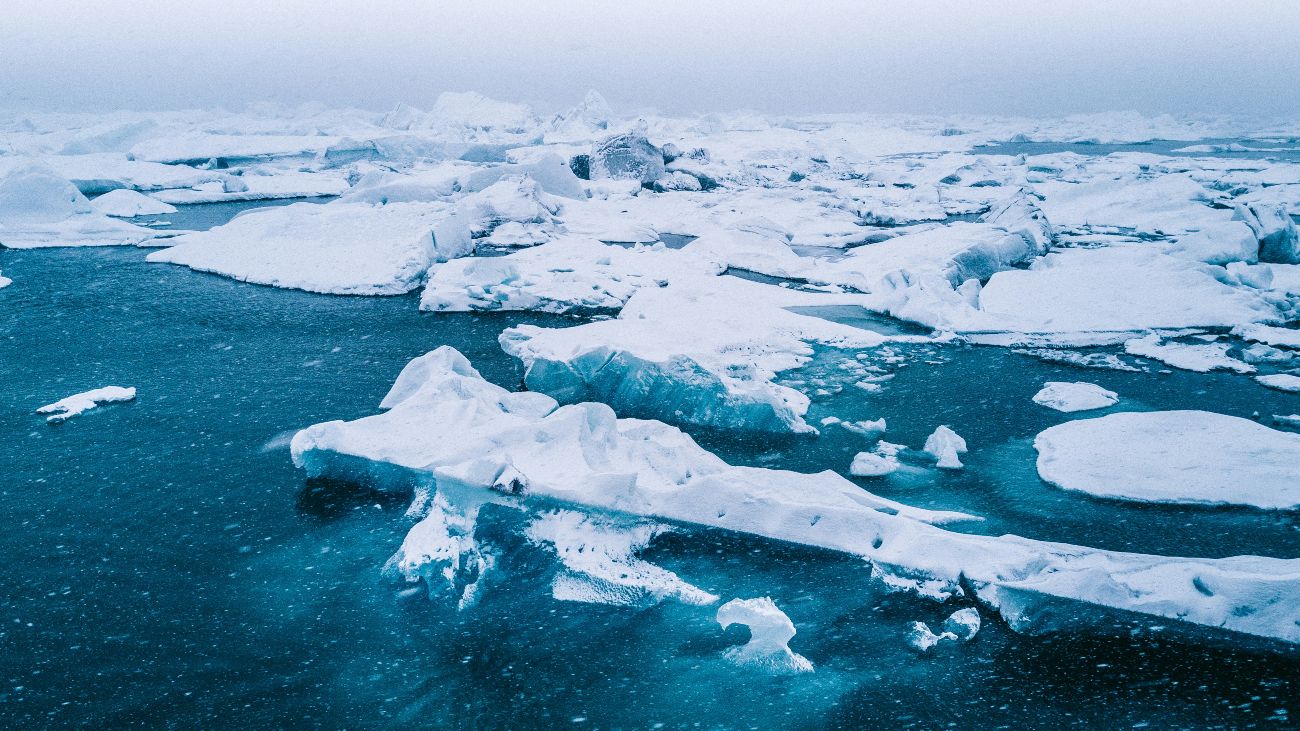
<point x="5" y="281"/>
<point x="128" y="203"/>
<point x="963" y="623"/>
<point x="868" y="429"/>
<point x="961" y="626"/>
<point x="457" y="433"/>
<point x="1200" y="358"/>
<point x="335" y="248"/>
<point x="922" y="639"/>
<point x="441" y="549"/>
<point x="66" y="408"/>
<point x="1174" y="457"/>
<point x="770" y="632"/>
<point x="1077" y="396"/>
<point x="1292" y="420"/>
<point x="944" y="445"/>
<point x="601" y="566"/>
<point x="627" y="157"/>
<point x="1281" y="381"/>
<point x="868" y="464"/>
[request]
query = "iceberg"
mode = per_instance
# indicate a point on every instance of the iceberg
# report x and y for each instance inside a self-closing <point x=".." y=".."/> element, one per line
<point x="1193" y="457"/>
<point x="448" y="433"/>
<point x="770" y="632"/>
<point x="334" y="248"/>
<point x="80" y="403"/>
<point x="1077" y="396"/>
<point x="627" y="157"/>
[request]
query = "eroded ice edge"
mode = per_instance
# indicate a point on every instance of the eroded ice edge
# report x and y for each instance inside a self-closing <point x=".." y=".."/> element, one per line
<point x="467" y="443"/>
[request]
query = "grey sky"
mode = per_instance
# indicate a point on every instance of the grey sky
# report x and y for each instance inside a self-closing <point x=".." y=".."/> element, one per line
<point x="1012" y="57"/>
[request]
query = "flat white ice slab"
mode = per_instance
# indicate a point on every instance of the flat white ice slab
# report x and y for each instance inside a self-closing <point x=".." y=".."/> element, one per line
<point x="1174" y="457"/>
<point x="1077" y="396"/>
<point x="66" y="408"/>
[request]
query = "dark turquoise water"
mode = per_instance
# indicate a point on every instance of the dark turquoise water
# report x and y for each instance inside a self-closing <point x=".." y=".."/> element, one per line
<point x="167" y="567"/>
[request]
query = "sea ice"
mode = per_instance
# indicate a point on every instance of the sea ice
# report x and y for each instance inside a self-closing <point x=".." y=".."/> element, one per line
<point x="1200" y="358"/>
<point x="124" y="203"/>
<point x="944" y="445"/>
<point x="1077" y="396"/>
<point x="1174" y="457"/>
<point x="470" y="442"/>
<point x="922" y="639"/>
<point x="601" y="564"/>
<point x="66" y="408"/>
<point x="770" y="632"/>
<point x="868" y="464"/>
<point x="335" y="248"/>
<point x="39" y="208"/>
<point x="1281" y="381"/>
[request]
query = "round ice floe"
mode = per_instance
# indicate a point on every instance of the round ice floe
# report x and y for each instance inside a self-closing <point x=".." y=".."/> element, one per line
<point x="1174" y="457"/>
<point x="866" y="464"/>
<point x="124" y="203"/>
<point x="1077" y="396"/>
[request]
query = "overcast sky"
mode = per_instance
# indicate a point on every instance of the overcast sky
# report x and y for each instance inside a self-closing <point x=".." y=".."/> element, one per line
<point x="1012" y="57"/>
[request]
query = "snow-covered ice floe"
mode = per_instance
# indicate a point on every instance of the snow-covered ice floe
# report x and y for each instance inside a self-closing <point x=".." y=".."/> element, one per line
<point x="40" y="208"/>
<point x="464" y="443"/>
<point x="123" y="203"/>
<point x="1196" y="457"/>
<point x="77" y="404"/>
<point x="335" y="248"/>
<point x="1077" y="396"/>
<point x="1281" y="381"/>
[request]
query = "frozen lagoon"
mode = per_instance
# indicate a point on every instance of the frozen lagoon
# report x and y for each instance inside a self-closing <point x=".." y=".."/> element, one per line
<point x="182" y="538"/>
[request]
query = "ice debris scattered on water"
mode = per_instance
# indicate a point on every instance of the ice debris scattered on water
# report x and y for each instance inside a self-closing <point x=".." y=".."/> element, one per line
<point x="77" y="404"/>
<point x="770" y="632"/>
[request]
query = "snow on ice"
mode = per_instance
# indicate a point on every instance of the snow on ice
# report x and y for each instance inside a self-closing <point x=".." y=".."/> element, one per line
<point x="80" y="403"/>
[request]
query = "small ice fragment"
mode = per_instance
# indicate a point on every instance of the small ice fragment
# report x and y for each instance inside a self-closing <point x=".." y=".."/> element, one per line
<point x="770" y="631"/>
<point x="1077" y="396"/>
<point x="944" y="445"/>
<point x="963" y="624"/>
<point x="71" y="406"/>
<point x="869" y="429"/>
<point x="867" y="464"/>
<point x="830" y="420"/>
<point x="921" y="639"/>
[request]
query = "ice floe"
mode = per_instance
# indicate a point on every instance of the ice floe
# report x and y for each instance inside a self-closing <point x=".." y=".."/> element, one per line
<point x="944" y="445"/>
<point x="1077" y="396"/>
<point x="770" y="632"/>
<point x="80" y="403"/>
<point x="1281" y="381"/>
<point x="1196" y="457"/>
<point x="335" y="248"/>
<point x="1202" y="357"/>
<point x="123" y="203"/>
<point x="39" y="208"/>
<point x="467" y="443"/>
